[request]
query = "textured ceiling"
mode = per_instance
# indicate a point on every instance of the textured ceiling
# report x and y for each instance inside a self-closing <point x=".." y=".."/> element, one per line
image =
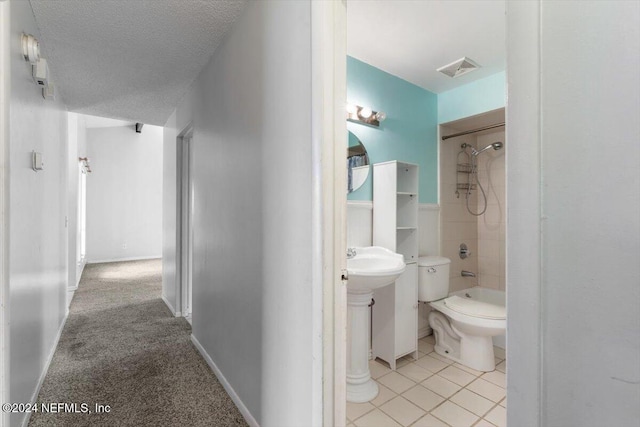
<point x="92" y="122"/>
<point x="133" y="59"/>
<point x="412" y="38"/>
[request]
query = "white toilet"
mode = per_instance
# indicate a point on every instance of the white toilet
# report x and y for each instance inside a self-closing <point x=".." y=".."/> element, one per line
<point x="463" y="325"/>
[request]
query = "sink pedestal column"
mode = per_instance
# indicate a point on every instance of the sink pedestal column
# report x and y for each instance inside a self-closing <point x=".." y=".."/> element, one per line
<point x="360" y="387"/>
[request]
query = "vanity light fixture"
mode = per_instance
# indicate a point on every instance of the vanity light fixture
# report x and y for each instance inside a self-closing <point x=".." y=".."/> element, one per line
<point x="364" y="115"/>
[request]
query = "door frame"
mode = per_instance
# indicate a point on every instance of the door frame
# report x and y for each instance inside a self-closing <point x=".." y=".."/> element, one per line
<point x="184" y="221"/>
<point x="329" y="200"/>
<point x="5" y="99"/>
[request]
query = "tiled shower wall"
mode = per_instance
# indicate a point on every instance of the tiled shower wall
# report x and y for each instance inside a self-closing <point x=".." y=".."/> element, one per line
<point x="458" y="226"/>
<point x="491" y="225"/>
<point x="484" y="234"/>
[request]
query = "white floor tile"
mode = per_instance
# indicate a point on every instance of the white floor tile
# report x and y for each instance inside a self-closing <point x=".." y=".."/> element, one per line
<point x="433" y="392"/>
<point x="487" y="389"/>
<point x="443" y="359"/>
<point x="455" y="415"/>
<point x="496" y="377"/>
<point x="497" y="416"/>
<point x="457" y="375"/>
<point x="396" y="382"/>
<point x="441" y="386"/>
<point x="403" y="411"/>
<point x="431" y="364"/>
<point x="404" y="361"/>
<point x="425" y="347"/>
<point x="468" y="369"/>
<point x="483" y="423"/>
<point x="429" y="421"/>
<point x="376" y="418"/>
<point x="423" y="397"/>
<point x="414" y="372"/>
<point x="356" y="410"/>
<point x="429" y="338"/>
<point x="384" y="395"/>
<point x="377" y="369"/>
<point x="472" y="402"/>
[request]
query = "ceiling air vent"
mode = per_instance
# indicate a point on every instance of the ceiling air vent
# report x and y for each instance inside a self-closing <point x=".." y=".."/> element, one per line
<point x="457" y="68"/>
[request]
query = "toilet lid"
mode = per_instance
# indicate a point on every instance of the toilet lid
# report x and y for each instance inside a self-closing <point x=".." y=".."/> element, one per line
<point x="475" y="308"/>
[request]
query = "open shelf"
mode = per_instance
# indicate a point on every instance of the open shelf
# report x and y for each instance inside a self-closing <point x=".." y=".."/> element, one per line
<point x="395" y="208"/>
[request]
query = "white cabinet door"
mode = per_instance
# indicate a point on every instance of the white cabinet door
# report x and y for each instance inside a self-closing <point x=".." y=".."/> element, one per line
<point x="406" y="311"/>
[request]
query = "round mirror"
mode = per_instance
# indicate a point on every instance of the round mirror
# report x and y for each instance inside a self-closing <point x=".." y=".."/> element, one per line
<point x="357" y="164"/>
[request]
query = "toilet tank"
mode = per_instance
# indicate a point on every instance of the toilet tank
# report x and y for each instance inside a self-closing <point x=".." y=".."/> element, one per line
<point x="433" y="278"/>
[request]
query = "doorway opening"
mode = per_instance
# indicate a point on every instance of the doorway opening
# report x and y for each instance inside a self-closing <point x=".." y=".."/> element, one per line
<point x="185" y="227"/>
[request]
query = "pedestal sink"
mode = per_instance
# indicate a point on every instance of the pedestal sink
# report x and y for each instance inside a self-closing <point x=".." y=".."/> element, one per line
<point x="369" y="268"/>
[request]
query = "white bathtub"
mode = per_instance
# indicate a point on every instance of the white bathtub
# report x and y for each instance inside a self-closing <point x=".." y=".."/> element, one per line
<point x="491" y="296"/>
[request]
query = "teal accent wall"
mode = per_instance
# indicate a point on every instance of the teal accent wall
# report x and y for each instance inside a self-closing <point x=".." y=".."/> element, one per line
<point x="474" y="98"/>
<point x="408" y="134"/>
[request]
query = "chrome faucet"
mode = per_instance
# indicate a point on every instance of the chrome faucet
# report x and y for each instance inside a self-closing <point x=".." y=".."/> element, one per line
<point x="466" y="273"/>
<point x="351" y="252"/>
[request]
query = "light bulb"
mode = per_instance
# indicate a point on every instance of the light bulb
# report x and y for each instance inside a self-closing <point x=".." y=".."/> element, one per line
<point x="365" y="112"/>
<point x="380" y="116"/>
<point x="352" y="109"/>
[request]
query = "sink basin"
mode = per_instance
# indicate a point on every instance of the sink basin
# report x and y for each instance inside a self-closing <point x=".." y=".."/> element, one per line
<point x="373" y="267"/>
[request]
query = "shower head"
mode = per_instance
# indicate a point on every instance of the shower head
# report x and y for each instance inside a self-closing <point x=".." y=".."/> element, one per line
<point x="496" y="146"/>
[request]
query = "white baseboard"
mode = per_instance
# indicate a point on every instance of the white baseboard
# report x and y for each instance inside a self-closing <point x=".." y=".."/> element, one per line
<point x="230" y="391"/>
<point x="429" y="207"/>
<point x="70" y="294"/>
<point x="424" y="331"/>
<point x="360" y="204"/>
<point x="173" y="310"/>
<point x="34" y="397"/>
<point x="134" y="258"/>
<point x="82" y="264"/>
<point x="368" y="205"/>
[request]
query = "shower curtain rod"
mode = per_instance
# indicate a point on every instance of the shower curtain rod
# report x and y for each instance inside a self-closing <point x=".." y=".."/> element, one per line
<point x="467" y="132"/>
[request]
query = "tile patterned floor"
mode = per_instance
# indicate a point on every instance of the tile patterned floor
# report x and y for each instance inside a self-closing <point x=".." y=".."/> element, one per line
<point x="433" y="391"/>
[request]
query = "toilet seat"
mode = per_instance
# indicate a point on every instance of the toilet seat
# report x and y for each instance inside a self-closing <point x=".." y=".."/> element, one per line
<point x="475" y="308"/>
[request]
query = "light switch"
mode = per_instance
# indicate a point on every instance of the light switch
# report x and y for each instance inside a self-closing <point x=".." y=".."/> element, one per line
<point x="36" y="161"/>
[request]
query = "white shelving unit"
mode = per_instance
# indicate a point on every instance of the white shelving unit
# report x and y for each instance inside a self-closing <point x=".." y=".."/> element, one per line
<point x="395" y="227"/>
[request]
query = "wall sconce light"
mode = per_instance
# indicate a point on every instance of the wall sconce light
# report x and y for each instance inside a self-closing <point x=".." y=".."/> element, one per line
<point x="364" y="115"/>
<point x="30" y="48"/>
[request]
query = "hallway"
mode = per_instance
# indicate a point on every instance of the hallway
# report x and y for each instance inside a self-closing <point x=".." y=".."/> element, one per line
<point x="122" y="347"/>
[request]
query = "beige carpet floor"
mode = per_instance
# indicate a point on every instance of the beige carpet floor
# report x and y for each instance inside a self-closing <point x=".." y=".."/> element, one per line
<point x="122" y="347"/>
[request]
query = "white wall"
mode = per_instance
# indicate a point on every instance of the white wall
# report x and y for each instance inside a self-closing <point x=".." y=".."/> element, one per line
<point x="573" y="171"/>
<point x="170" y="254"/>
<point x="38" y="205"/>
<point x="250" y="110"/>
<point x="76" y="147"/>
<point x="124" y="193"/>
